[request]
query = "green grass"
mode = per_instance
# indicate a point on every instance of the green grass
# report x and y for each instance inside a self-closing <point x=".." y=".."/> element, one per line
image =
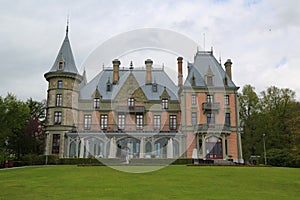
<point x="172" y="182"/>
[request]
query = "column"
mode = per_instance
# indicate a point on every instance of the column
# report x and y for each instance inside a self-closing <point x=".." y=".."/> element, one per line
<point x="203" y="147"/>
<point x="81" y="148"/>
<point x="142" y="147"/>
<point x="76" y="148"/>
<point x="224" y="146"/>
<point x="68" y="147"/>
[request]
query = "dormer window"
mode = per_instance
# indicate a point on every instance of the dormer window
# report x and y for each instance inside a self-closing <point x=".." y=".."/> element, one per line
<point x="131" y="102"/>
<point x="96" y="103"/>
<point x="154" y="87"/>
<point x="60" y="65"/>
<point x="209" y="80"/>
<point x="164" y="103"/>
<point x="108" y="86"/>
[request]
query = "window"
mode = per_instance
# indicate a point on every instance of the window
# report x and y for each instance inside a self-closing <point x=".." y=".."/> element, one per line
<point x="59" y="84"/>
<point x="210" y="119"/>
<point x="156" y="122"/>
<point x="139" y="121"/>
<point x="227" y="119"/>
<point x="173" y="122"/>
<point x="96" y="103"/>
<point x="131" y="102"/>
<point x="209" y="80"/>
<point x="194" y="99"/>
<point x="121" y="121"/>
<point x="164" y="103"/>
<point x="87" y="121"/>
<point x="55" y="143"/>
<point x="226" y="99"/>
<point x="57" y="117"/>
<point x="210" y="98"/>
<point x="103" y="121"/>
<point x="154" y="87"/>
<point x="60" y="65"/>
<point x="108" y="87"/>
<point x="59" y="100"/>
<point x="194" y="118"/>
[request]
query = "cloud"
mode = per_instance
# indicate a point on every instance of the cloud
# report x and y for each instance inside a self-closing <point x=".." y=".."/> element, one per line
<point x="257" y="35"/>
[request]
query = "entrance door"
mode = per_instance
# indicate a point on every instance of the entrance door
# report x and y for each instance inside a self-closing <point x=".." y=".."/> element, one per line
<point x="213" y="146"/>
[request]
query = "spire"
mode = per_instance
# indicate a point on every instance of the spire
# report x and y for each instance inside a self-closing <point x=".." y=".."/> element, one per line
<point x="67" y="28"/>
<point x="64" y="61"/>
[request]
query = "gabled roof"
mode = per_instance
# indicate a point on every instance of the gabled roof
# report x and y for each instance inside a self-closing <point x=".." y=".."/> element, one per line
<point x="160" y="76"/>
<point x="205" y="64"/>
<point x="66" y="56"/>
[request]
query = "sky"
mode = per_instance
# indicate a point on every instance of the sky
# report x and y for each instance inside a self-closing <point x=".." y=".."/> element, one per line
<point x="261" y="37"/>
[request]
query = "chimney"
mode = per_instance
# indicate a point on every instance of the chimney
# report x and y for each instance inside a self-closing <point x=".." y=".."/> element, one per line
<point x="148" y="63"/>
<point x="116" y="65"/>
<point x="227" y="65"/>
<point x="179" y="59"/>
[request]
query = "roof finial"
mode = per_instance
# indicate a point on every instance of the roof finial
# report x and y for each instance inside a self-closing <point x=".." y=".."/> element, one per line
<point x="67" y="28"/>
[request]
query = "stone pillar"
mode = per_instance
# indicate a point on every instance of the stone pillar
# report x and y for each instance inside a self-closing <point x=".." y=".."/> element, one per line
<point x="77" y="144"/>
<point x="81" y="148"/>
<point x="112" y="148"/>
<point x="203" y="147"/>
<point x="224" y="146"/>
<point x="142" y="147"/>
<point x="67" y="154"/>
<point x="87" y="148"/>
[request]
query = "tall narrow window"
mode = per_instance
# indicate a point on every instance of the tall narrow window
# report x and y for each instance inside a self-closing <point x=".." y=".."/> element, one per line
<point x="96" y="103"/>
<point x="210" y="119"/>
<point x="227" y="119"/>
<point x="87" y="122"/>
<point x="59" y="84"/>
<point x="103" y="122"/>
<point x="60" y="65"/>
<point x="226" y="99"/>
<point x="121" y="121"/>
<point x="139" y="121"/>
<point x="173" y="122"/>
<point x="194" y="99"/>
<point x="130" y="102"/>
<point x="55" y="143"/>
<point x="57" y="117"/>
<point x="194" y="118"/>
<point x="209" y="80"/>
<point x="156" y="122"/>
<point x="210" y="98"/>
<point x="164" y="103"/>
<point x="59" y="100"/>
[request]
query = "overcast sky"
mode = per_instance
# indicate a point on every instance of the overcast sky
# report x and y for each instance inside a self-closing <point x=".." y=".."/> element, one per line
<point x="260" y="36"/>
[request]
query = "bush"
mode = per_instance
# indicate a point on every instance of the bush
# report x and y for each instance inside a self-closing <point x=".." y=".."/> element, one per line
<point x="283" y="158"/>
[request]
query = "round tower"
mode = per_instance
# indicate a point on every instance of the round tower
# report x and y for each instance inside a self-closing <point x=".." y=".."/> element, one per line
<point x="62" y="99"/>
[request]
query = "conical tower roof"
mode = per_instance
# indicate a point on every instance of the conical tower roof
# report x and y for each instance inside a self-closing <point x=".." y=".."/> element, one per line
<point x="64" y="61"/>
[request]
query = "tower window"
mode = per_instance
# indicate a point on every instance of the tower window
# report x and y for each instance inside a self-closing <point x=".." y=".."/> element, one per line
<point x="55" y="143"/>
<point x="60" y="65"/>
<point x="59" y="100"/>
<point x="59" y="84"/>
<point x="57" y="117"/>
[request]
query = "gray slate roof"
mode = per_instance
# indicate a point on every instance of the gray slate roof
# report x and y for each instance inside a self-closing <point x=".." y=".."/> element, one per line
<point x="202" y="62"/>
<point x="159" y="76"/>
<point x="65" y="54"/>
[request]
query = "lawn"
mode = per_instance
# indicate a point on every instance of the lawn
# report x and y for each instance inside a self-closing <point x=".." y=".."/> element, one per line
<point x="172" y="182"/>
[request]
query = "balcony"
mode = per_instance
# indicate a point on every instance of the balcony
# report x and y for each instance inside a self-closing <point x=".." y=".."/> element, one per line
<point x="209" y="107"/>
<point x="131" y="109"/>
<point x="212" y="128"/>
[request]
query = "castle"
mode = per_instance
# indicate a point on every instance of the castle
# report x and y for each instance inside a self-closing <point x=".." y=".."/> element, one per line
<point x="142" y="110"/>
